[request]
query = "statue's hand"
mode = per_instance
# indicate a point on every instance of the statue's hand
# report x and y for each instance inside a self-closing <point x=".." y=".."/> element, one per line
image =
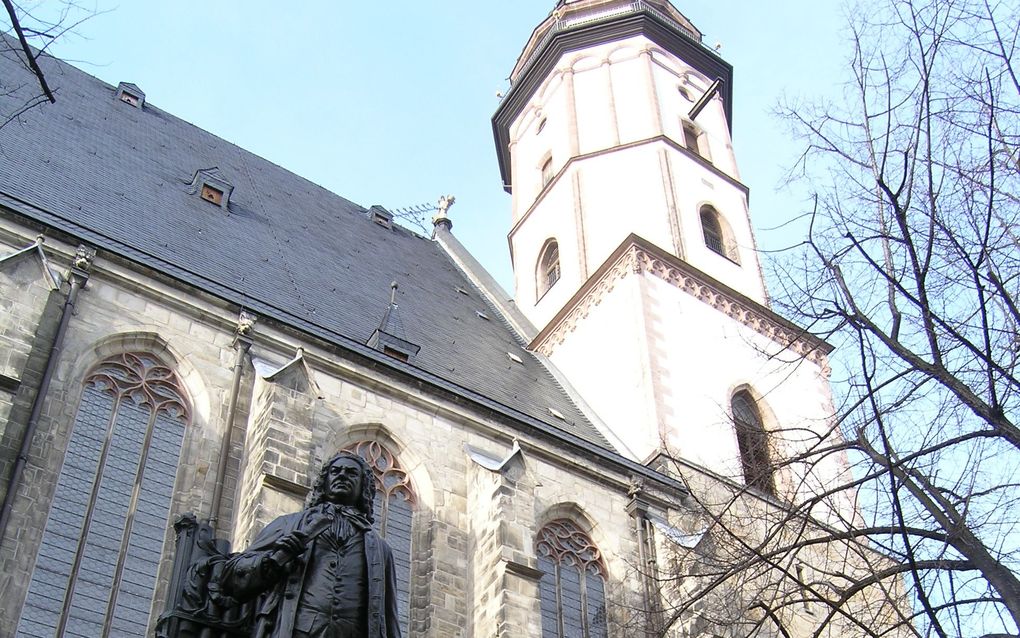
<point x="285" y="549"/>
<point x="289" y="546"/>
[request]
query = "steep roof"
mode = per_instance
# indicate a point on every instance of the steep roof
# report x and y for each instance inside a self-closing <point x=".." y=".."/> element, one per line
<point x="123" y="178"/>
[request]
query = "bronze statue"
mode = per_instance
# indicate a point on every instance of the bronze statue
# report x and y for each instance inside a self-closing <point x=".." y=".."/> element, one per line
<point x="322" y="572"/>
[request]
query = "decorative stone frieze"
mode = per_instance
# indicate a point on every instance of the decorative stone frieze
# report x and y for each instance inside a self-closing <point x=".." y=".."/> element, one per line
<point x="637" y="260"/>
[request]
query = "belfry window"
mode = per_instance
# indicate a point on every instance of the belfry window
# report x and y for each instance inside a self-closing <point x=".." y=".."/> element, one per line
<point x="573" y="584"/>
<point x="100" y="548"/>
<point x="547" y="171"/>
<point x="548" y="267"/>
<point x="394" y="509"/>
<point x="752" y="440"/>
<point x="712" y="230"/>
<point x="691" y="138"/>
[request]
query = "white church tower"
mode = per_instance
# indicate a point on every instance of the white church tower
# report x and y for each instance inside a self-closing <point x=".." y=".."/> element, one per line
<point x="632" y="246"/>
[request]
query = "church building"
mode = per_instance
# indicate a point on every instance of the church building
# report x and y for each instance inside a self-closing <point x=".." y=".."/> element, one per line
<point x="188" y="331"/>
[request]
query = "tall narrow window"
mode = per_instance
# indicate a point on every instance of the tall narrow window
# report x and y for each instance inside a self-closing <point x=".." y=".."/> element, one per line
<point x="547" y="171"/>
<point x="712" y="230"/>
<point x="691" y="138"/>
<point x="394" y="508"/>
<point x="752" y="442"/>
<point x="548" y="267"/>
<point x="573" y="584"/>
<point x="101" y="546"/>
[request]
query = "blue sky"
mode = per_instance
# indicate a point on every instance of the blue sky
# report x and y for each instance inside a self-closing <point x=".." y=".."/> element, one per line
<point x="390" y="102"/>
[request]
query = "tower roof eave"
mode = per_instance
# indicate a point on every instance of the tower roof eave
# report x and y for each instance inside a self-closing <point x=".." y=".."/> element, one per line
<point x="640" y="18"/>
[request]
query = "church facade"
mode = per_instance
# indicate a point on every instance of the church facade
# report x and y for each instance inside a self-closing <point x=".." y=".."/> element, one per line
<point x="189" y="328"/>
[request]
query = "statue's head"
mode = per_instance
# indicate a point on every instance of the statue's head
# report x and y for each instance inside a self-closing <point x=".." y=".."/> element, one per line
<point x="345" y="479"/>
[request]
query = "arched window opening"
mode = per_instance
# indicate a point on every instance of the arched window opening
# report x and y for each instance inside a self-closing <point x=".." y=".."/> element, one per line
<point x="573" y="583"/>
<point x="547" y="171"/>
<point x="548" y="267"/>
<point x="100" y="548"/>
<point x="712" y="229"/>
<point x="691" y="138"/>
<point x="752" y="442"/>
<point x="395" y="503"/>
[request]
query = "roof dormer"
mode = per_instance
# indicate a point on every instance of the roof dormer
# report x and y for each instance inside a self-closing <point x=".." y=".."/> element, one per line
<point x="130" y="94"/>
<point x="212" y="186"/>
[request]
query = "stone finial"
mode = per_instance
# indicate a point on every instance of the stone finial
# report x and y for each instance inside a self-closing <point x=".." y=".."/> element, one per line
<point x="393" y="293"/>
<point x="83" y="258"/>
<point x="440" y="218"/>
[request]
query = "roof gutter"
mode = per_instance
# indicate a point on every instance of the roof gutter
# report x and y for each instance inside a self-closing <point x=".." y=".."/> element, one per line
<point x="268" y="311"/>
<point x="79" y="275"/>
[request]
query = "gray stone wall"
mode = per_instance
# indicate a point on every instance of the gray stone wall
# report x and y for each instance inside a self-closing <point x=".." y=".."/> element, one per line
<point x="473" y="529"/>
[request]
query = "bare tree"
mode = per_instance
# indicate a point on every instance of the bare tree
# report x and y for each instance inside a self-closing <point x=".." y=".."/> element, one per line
<point x="911" y="268"/>
<point x="28" y="30"/>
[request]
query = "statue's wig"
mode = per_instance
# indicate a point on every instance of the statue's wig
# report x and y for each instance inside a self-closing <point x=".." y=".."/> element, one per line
<point x="365" y="504"/>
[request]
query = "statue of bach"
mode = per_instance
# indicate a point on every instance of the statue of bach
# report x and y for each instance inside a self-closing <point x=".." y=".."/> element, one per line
<point x="322" y="572"/>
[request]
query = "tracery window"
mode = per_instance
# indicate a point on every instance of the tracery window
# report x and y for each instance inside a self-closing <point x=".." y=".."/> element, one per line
<point x="752" y="441"/>
<point x="395" y="503"/>
<point x="100" y="549"/>
<point x="572" y="588"/>
<point x="548" y="267"/>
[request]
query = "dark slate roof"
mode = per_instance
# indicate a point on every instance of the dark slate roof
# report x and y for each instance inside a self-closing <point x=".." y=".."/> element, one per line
<point x="121" y="177"/>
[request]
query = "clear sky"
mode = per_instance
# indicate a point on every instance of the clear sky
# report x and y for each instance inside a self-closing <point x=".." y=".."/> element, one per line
<point x="390" y="102"/>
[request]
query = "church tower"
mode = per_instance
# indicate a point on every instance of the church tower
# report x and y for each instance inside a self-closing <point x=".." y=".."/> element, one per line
<point x="632" y="245"/>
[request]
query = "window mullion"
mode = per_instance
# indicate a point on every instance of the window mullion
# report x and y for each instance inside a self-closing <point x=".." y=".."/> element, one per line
<point x="129" y="521"/>
<point x="79" y="552"/>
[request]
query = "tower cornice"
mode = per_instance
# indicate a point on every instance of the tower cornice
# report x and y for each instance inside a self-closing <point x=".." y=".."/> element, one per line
<point x="638" y="256"/>
<point x="639" y="18"/>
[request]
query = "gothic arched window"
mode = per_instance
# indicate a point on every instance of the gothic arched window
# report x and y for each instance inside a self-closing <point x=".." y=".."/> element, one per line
<point x="100" y="549"/>
<point x="548" y="267"/>
<point x="573" y="584"/>
<point x="394" y="508"/>
<point x="712" y="229"/>
<point x="752" y="441"/>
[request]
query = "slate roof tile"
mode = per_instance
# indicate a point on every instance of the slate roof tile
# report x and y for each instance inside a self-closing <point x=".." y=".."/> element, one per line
<point x="121" y="177"/>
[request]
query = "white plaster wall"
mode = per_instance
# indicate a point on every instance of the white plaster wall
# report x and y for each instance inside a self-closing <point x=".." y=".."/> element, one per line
<point x="558" y="221"/>
<point x="605" y="111"/>
<point x="606" y="359"/>
<point x="670" y="368"/>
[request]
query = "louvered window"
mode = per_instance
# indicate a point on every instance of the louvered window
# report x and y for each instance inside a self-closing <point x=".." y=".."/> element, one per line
<point x="572" y="588"/>
<point x="712" y="230"/>
<point x="752" y="441"/>
<point x="100" y="549"/>
<point x="394" y="512"/>
<point x="548" y="267"/>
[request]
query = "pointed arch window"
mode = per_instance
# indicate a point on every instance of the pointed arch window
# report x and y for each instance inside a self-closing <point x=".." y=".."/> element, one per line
<point x="100" y="548"/>
<point x="712" y="230"/>
<point x="395" y="503"/>
<point x="573" y="584"/>
<point x="752" y="440"/>
<point x="548" y="267"/>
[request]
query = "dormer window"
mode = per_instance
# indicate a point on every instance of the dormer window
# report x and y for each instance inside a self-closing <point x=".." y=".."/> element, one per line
<point x="381" y="216"/>
<point x="130" y="94"/>
<point x="212" y="194"/>
<point x="211" y="185"/>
